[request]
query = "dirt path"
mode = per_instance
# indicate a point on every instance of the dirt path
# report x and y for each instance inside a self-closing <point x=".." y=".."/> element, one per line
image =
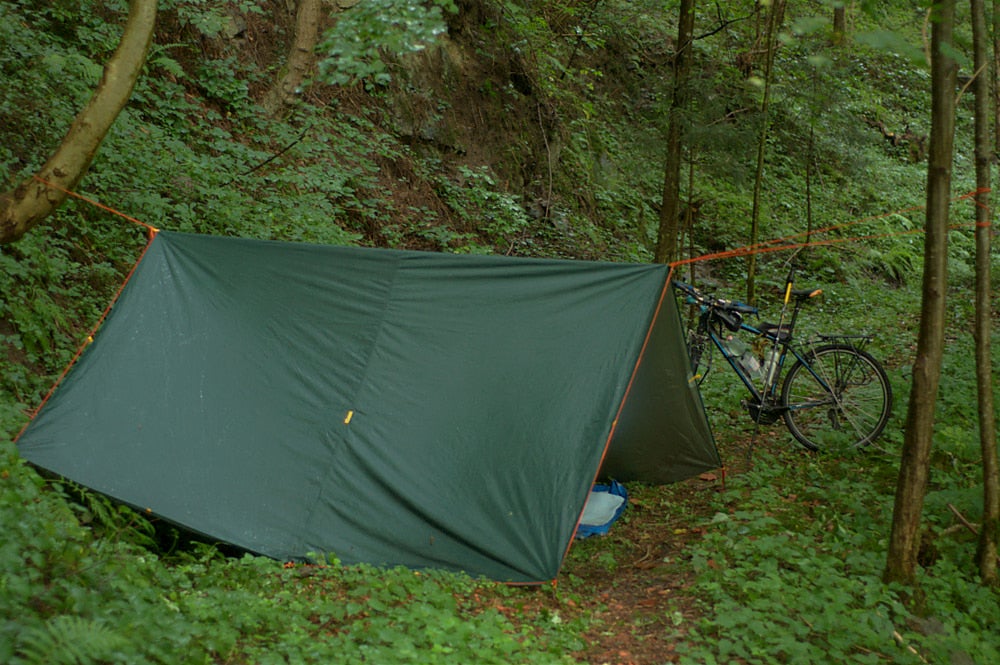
<point x="636" y="577"/>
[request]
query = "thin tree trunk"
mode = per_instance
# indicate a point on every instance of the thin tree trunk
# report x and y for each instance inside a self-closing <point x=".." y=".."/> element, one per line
<point x="666" y="246"/>
<point x="995" y="75"/>
<point x="809" y="176"/>
<point x="31" y="201"/>
<point x="904" y="539"/>
<point x="770" y="43"/>
<point x="987" y="551"/>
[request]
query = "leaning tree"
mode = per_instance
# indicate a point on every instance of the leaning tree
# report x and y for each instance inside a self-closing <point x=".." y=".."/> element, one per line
<point x="36" y="197"/>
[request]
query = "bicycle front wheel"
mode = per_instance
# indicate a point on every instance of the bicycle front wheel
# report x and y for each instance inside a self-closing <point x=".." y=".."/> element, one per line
<point x="840" y="397"/>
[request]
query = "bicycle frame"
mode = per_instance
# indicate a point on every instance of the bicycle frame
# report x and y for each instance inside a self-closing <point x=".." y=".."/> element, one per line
<point x="832" y="390"/>
<point x="767" y="392"/>
<point x="779" y="338"/>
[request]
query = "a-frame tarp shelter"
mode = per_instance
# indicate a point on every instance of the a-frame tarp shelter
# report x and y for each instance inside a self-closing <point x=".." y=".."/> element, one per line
<point x="388" y="407"/>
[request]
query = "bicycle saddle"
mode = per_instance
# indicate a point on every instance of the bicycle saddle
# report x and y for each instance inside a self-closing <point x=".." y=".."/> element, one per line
<point x="805" y="294"/>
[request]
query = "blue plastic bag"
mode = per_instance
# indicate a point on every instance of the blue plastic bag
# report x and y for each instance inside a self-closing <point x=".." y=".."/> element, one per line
<point x="604" y="506"/>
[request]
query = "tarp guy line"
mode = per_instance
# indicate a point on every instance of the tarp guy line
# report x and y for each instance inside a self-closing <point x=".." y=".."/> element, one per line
<point x="767" y="245"/>
<point x="152" y="229"/>
<point x="759" y="248"/>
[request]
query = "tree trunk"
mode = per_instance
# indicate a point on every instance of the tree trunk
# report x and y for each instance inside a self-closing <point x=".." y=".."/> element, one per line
<point x="995" y="75"/>
<point x="987" y="552"/>
<point x="839" y="24"/>
<point x="771" y="44"/>
<point x="904" y="540"/>
<point x="666" y="246"/>
<point x="32" y="200"/>
<point x="301" y="57"/>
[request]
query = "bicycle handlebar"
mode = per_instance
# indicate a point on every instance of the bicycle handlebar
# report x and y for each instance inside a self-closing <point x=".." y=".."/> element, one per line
<point x="729" y="313"/>
<point x="697" y="297"/>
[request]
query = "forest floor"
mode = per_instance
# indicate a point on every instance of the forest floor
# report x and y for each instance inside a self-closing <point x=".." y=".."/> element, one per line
<point x="633" y="584"/>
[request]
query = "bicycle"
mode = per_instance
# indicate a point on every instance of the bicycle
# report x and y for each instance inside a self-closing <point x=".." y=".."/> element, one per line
<point x="834" y="395"/>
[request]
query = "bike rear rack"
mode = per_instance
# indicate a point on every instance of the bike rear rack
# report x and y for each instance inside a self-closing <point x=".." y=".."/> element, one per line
<point x="858" y="341"/>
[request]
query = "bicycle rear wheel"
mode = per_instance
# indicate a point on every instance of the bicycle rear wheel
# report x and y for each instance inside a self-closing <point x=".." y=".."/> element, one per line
<point x="840" y="398"/>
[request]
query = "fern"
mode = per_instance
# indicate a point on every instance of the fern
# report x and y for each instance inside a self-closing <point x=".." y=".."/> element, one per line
<point x="108" y="519"/>
<point x="71" y="640"/>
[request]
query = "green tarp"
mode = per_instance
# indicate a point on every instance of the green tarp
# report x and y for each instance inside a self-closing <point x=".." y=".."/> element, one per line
<point x="388" y="407"/>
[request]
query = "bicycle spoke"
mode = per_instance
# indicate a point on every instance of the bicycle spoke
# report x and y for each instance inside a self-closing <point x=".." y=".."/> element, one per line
<point x="842" y="398"/>
<point x="849" y="407"/>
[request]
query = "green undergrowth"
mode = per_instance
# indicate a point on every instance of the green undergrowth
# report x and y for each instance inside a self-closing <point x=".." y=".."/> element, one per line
<point x="80" y="584"/>
<point x="789" y="570"/>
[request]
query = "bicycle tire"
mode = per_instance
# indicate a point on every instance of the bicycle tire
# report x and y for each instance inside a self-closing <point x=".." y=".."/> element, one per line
<point x="852" y="414"/>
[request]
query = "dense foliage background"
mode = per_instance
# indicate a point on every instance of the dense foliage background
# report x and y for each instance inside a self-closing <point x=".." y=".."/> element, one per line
<point x="531" y="128"/>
